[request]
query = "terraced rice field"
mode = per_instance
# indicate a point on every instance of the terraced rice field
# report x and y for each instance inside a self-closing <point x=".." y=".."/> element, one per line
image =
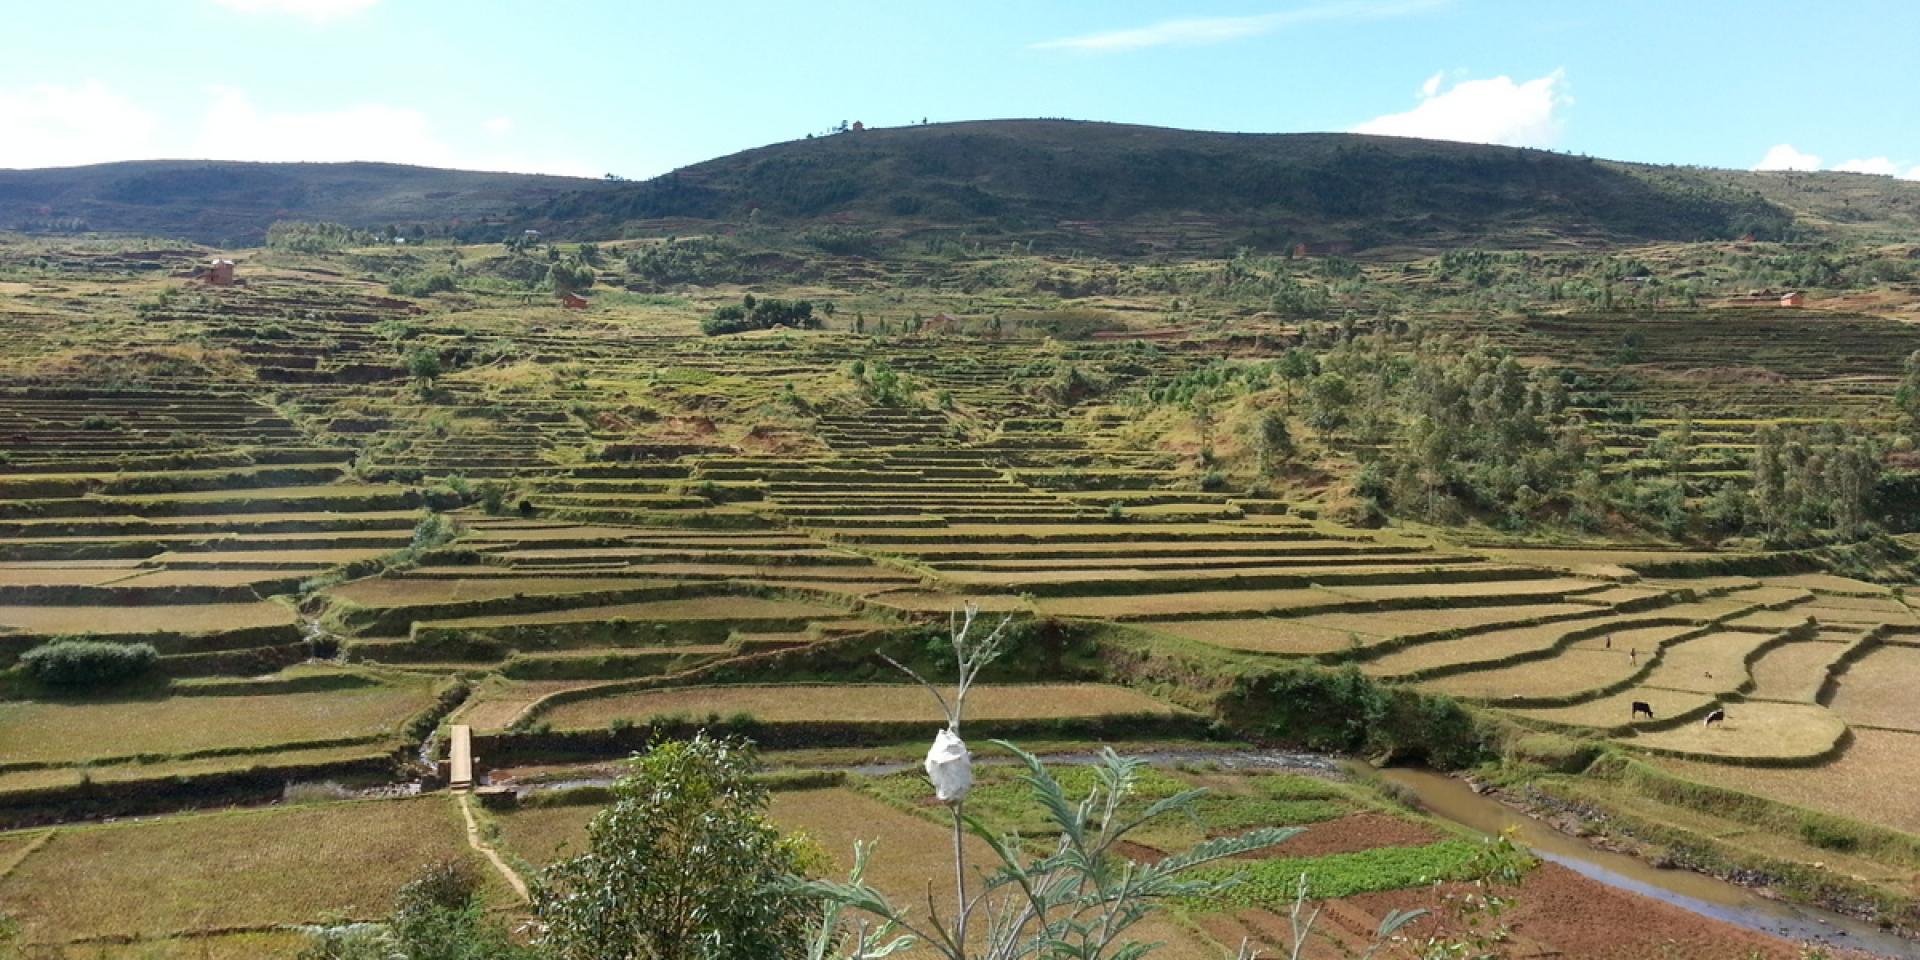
<point x="878" y="703"/>
<point x="67" y="732"/>
<point x="671" y="525"/>
<point x="1878" y="689"/>
<point x="177" y="876"/>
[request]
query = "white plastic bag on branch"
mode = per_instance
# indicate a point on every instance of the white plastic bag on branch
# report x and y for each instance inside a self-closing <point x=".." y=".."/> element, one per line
<point x="950" y="767"/>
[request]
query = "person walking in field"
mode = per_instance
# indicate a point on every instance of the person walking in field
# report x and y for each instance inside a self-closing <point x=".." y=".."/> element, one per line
<point x="1633" y="656"/>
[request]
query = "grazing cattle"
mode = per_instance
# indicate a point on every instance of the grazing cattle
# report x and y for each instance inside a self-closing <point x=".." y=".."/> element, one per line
<point x="1640" y="707"/>
<point x="1717" y="716"/>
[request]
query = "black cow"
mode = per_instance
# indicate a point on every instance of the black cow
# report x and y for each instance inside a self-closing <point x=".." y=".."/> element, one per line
<point x="1640" y="707"/>
<point x="1717" y="716"/>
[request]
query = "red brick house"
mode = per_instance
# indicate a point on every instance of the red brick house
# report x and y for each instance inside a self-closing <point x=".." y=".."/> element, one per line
<point x="574" y="301"/>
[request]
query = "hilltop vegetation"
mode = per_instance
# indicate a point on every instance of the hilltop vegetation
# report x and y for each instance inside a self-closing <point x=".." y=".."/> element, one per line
<point x="1129" y="190"/>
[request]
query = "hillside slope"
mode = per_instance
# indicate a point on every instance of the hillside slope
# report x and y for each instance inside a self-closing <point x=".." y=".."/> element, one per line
<point x="1121" y="189"/>
<point x="223" y="202"/>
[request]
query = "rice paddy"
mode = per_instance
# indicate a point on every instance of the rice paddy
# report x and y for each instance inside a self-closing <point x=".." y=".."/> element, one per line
<point x="612" y="528"/>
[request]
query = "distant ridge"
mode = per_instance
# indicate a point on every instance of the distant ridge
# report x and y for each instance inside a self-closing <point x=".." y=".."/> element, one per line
<point x="232" y="203"/>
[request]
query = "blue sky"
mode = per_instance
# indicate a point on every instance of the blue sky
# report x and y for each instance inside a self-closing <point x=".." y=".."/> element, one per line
<point x="638" y="88"/>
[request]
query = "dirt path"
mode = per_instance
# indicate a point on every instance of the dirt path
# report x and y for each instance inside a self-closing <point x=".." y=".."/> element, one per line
<point x="474" y="840"/>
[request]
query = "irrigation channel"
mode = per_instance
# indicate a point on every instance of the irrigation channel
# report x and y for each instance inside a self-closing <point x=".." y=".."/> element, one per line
<point x="1454" y="801"/>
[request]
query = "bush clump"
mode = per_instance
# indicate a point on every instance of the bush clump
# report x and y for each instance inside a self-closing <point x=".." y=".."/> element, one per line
<point x="88" y="663"/>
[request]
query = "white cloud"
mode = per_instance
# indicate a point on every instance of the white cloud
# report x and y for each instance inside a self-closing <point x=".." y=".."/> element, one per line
<point x="1877" y="165"/>
<point x="1199" y="31"/>
<point x="1913" y="174"/>
<point x="318" y="11"/>
<point x="48" y="125"/>
<point x="1497" y="110"/>
<point x="234" y="128"/>
<point x="1783" y="156"/>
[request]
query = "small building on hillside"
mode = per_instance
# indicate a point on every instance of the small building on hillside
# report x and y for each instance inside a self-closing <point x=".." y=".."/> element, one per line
<point x="573" y="301"/>
<point x="1768" y="298"/>
<point x="219" y="273"/>
<point x="940" y="324"/>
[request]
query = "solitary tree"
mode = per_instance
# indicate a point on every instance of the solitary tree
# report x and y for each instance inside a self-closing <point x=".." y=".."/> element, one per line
<point x="1273" y="441"/>
<point x="682" y="866"/>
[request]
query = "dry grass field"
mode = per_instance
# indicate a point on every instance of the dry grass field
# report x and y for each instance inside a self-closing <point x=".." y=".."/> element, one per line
<point x="1878" y="690"/>
<point x="1877" y="764"/>
<point x="1755" y="730"/>
<point x="183" y="874"/>
<point x="856" y="703"/>
<point x="69" y="732"/>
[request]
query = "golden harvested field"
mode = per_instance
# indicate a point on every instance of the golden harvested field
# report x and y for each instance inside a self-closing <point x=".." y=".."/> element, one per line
<point x="1181" y="605"/>
<point x="1830" y="610"/>
<point x="1879" y="689"/>
<point x="1877" y="764"/>
<point x="171" y="618"/>
<point x="1617" y="710"/>
<point x="1755" y="730"/>
<point x="299" y="864"/>
<point x="1830" y="583"/>
<point x="541" y="835"/>
<point x="15" y="846"/>
<point x="76" y="731"/>
<point x="120" y="772"/>
<point x="1569" y="673"/>
<point x="320" y="557"/>
<point x="1794" y="670"/>
<point x="1712" y="663"/>
<point x="1770" y="619"/>
<point x="404" y="591"/>
<point x="1485" y="588"/>
<point x="232" y="946"/>
<point x="878" y="702"/>
<point x="693" y="608"/>
<point x="495" y="702"/>
<point x="62" y="576"/>
<point x="1393" y="623"/>
<point x="1262" y="635"/>
<point x="1519" y="641"/>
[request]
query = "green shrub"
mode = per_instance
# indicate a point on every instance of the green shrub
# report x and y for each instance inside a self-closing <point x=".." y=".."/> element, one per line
<point x="1829" y="835"/>
<point x="88" y="663"/>
<point x="1561" y="754"/>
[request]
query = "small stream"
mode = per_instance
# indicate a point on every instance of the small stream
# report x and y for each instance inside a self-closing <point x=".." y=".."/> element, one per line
<point x="1453" y="800"/>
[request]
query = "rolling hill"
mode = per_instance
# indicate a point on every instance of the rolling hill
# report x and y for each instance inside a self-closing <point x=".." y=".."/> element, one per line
<point x="1121" y="189"/>
<point x="231" y="203"/>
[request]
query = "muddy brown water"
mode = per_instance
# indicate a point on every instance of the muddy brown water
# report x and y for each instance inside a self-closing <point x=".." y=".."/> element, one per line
<point x="1455" y="801"/>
